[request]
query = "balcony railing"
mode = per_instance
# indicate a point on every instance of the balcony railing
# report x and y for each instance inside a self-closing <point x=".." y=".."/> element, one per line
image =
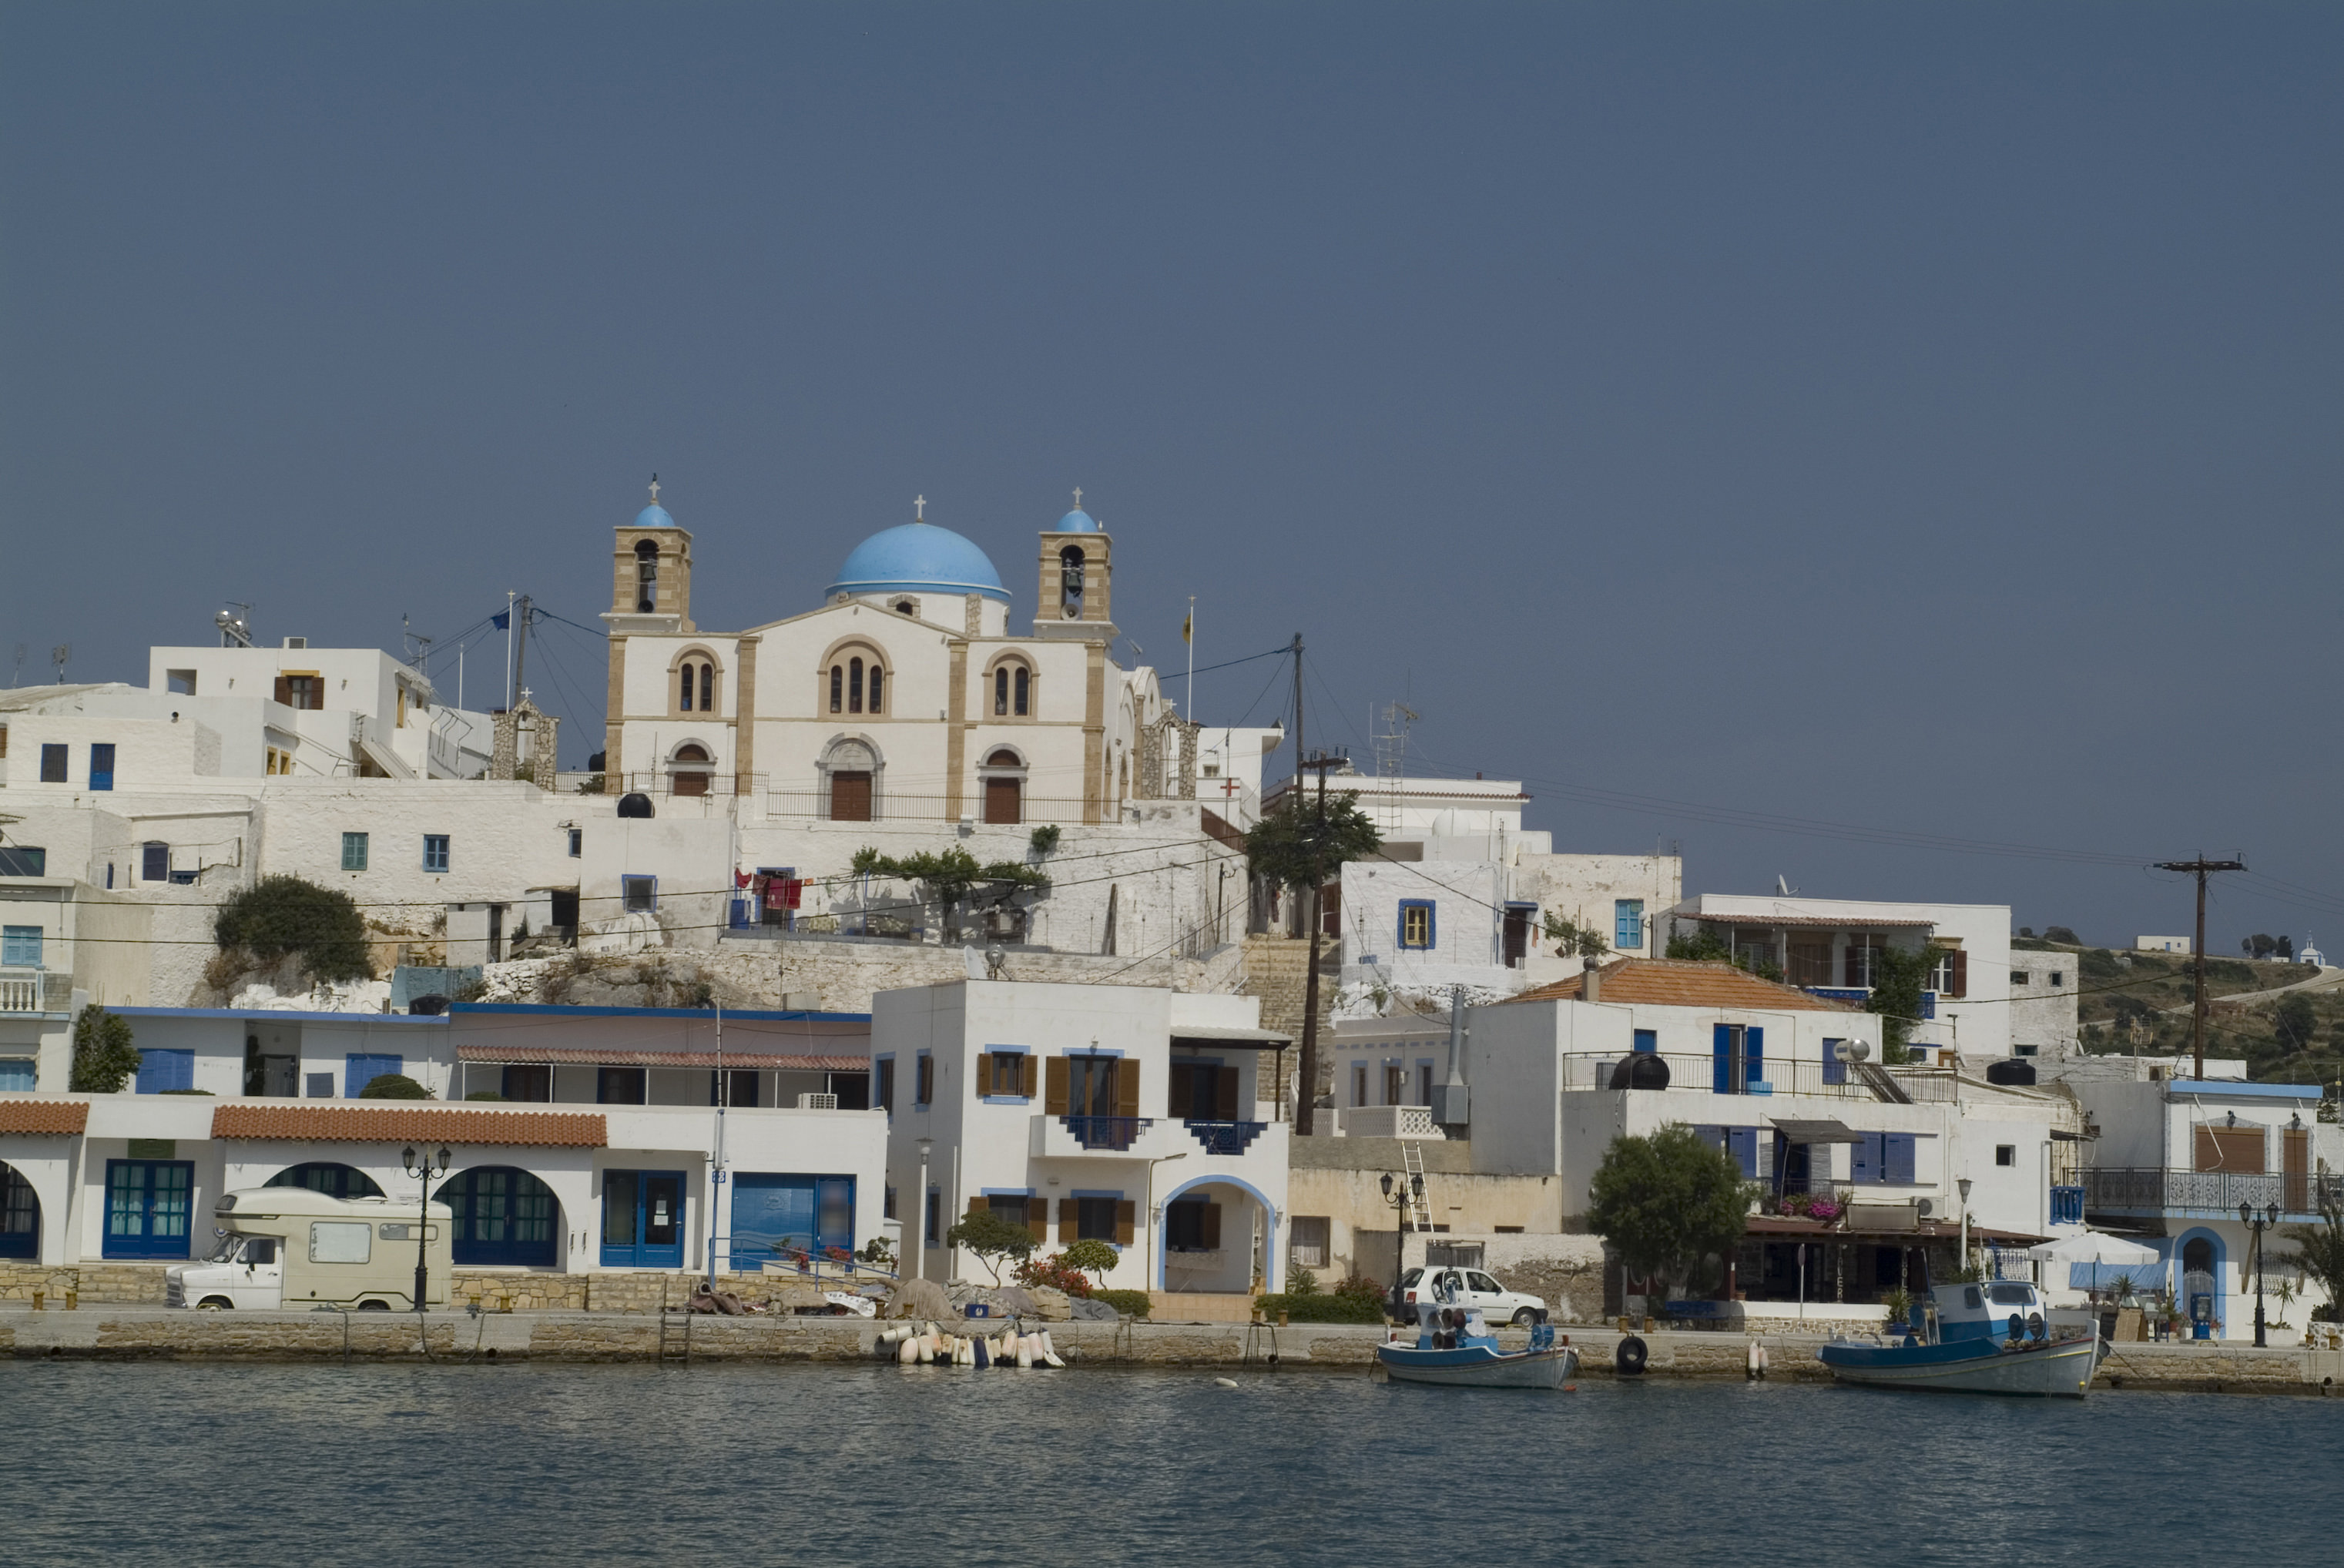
<point x="1838" y="1080"/>
<point x="1390" y="1122"/>
<point x="2206" y="1194"/>
<point x="888" y="806"/>
<point x="1229" y="1138"/>
<point x="21" y="990"/>
<point x="1115" y="1132"/>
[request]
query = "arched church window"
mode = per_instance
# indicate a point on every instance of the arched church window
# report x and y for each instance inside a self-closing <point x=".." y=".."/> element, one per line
<point x="683" y="699"/>
<point x="707" y="689"/>
<point x="646" y="577"/>
<point x="690" y="771"/>
<point x="1001" y="691"/>
<point x="1070" y="582"/>
<point x="854" y="686"/>
<point x="1024" y="691"/>
<point x="876" y="678"/>
<point x="837" y="687"/>
<point x="907" y="607"/>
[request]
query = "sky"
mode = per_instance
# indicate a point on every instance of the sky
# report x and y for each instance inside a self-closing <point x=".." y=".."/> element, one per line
<point x="1891" y="448"/>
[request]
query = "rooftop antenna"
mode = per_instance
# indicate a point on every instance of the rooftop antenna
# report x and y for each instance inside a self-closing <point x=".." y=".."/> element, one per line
<point x="1783" y="888"/>
<point x="1390" y="741"/>
<point x="58" y="656"/>
<point x="235" y="624"/>
<point x="18" y="678"/>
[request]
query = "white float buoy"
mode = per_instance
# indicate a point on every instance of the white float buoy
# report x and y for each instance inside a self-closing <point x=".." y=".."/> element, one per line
<point x="1225" y="1383"/>
<point x="907" y="1352"/>
<point x="1049" y="1351"/>
<point x="1024" y="1350"/>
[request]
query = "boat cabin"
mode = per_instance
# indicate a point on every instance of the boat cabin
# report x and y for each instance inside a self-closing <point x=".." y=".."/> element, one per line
<point x="2009" y="1310"/>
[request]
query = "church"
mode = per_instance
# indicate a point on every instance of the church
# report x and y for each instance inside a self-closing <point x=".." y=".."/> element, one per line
<point x="909" y="694"/>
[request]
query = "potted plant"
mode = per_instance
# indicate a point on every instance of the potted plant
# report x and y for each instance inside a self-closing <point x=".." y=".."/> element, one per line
<point x="1896" y="1308"/>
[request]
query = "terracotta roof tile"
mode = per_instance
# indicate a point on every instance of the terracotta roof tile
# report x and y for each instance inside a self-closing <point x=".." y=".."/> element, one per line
<point x="378" y="1122"/>
<point x="70" y="1117"/>
<point x="1671" y="982"/>
<point x="625" y="1056"/>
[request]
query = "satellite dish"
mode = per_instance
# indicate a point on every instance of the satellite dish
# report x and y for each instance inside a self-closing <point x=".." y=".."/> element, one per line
<point x="1850" y="1050"/>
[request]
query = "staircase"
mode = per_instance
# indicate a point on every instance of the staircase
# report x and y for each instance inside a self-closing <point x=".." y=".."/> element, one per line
<point x="1278" y="971"/>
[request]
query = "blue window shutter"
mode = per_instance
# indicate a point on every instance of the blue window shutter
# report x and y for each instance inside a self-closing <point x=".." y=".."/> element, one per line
<point x="20" y="946"/>
<point x="1754" y="1052"/>
<point x="101" y="766"/>
<point x="1743" y="1144"/>
<point x="1713" y="1136"/>
<point x="361" y="1069"/>
<point x="1648" y="1040"/>
<point x="1900" y="1157"/>
<point x="1721" y="1049"/>
<point x="1864" y="1158"/>
<point x="162" y="1070"/>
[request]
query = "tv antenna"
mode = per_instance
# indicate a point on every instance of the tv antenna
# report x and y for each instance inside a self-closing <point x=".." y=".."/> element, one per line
<point x="58" y="655"/>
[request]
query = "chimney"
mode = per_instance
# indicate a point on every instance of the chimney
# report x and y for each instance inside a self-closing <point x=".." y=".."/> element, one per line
<point x="1450" y="1101"/>
<point x="1591" y="982"/>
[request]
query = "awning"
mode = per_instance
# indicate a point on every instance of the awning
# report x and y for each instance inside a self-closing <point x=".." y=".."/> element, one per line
<point x="1788" y="1228"/>
<point x="625" y="1056"/>
<point x="392" y="765"/>
<point x="1799" y="1132"/>
<point x="1229" y="1032"/>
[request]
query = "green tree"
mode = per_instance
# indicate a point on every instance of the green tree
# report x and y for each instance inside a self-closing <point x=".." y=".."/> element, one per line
<point x="278" y="918"/>
<point x="1668" y="1200"/>
<point x="993" y="1240"/>
<point x="1572" y="940"/>
<point x="1306" y="843"/>
<point x="1092" y="1256"/>
<point x="2295" y="1020"/>
<point x="951" y="875"/>
<point x="2062" y="936"/>
<point x="393" y="1086"/>
<point x="2319" y="1248"/>
<point x="1704" y="946"/>
<point x="1899" y="978"/>
<point x="104" y="1059"/>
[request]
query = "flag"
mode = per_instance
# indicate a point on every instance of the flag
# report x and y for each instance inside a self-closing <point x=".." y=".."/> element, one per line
<point x="501" y="620"/>
<point x="1188" y="627"/>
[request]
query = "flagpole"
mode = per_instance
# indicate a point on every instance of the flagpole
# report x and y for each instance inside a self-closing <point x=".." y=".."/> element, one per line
<point x="1188" y="635"/>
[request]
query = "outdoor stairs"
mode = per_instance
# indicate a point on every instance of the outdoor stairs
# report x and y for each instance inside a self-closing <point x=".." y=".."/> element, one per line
<point x="1881" y="1082"/>
<point x="1278" y="971"/>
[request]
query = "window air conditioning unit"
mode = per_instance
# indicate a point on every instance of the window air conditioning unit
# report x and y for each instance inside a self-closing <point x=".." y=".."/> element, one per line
<point x="817" y="1102"/>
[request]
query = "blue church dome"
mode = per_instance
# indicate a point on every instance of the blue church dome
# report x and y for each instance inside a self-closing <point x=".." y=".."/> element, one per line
<point x="918" y="556"/>
<point x="653" y="516"/>
<point x="1078" y="521"/>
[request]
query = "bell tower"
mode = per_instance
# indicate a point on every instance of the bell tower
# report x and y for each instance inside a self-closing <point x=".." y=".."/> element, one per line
<point x="650" y="574"/>
<point x="1077" y="580"/>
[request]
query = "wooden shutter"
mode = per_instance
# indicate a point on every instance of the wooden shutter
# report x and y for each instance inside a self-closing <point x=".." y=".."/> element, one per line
<point x="1225" y="1102"/>
<point x="984" y="1085"/>
<point x="1126" y="1212"/>
<point x="285" y="690"/>
<point x="2294" y="1162"/>
<point x="1026" y="1074"/>
<point x="1054" y="1098"/>
<point x="1183" y="1085"/>
<point x="1958" y="974"/>
<point x="1126" y="1087"/>
<point x="1211" y="1229"/>
<point x="1070" y="1220"/>
<point x="980" y="1205"/>
<point x="2237" y="1150"/>
<point x="1721" y="1055"/>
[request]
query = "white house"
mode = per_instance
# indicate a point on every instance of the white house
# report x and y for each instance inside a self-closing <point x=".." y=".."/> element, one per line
<point x="1124" y="1114"/>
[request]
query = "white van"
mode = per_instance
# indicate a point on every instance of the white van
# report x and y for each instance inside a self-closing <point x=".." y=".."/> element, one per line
<point x="292" y="1247"/>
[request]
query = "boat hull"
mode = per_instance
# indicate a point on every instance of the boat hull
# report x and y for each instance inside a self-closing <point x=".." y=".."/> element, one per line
<point x="1480" y="1367"/>
<point x="2062" y="1370"/>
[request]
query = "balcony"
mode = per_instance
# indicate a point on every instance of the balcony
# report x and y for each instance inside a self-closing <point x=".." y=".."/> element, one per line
<point x="1124" y="1137"/>
<point x="1828" y="1080"/>
<point x="1861" y="996"/>
<point x="34" y="990"/>
<point x="1229" y="1138"/>
<point x="1410" y="1121"/>
<point x="2146" y="1191"/>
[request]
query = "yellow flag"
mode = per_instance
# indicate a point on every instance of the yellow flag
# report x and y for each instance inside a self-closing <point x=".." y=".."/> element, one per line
<point x="1189" y="625"/>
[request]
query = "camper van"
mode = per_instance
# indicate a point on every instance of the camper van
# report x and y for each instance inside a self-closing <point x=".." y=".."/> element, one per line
<point x="292" y="1247"/>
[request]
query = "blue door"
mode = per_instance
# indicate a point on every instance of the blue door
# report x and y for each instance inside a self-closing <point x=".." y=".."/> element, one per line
<point x="503" y="1218"/>
<point x="146" y="1203"/>
<point x="643" y="1219"/>
<point x="20" y="1215"/>
<point x="774" y="1216"/>
<point x="101" y="766"/>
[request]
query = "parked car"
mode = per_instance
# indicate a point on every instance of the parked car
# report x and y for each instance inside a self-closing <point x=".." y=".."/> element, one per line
<point x="1466" y="1288"/>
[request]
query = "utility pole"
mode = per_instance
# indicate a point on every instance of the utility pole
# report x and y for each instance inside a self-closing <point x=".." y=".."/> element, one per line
<point x="2200" y="867"/>
<point x="521" y="614"/>
<point x="1305" y="1120"/>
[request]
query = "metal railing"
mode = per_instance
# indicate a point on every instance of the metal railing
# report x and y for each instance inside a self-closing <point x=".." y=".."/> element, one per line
<point x="2211" y="1194"/>
<point x="888" y="806"/>
<point x="1117" y="1132"/>
<point x="1229" y="1138"/>
<point x="1699" y="1074"/>
<point x="695" y="779"/>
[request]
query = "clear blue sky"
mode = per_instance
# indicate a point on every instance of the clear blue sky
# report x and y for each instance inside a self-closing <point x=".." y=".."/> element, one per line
<point x="1911" y="417"/>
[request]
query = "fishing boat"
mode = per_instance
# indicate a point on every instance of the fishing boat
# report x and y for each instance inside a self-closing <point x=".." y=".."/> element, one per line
<point x="1975" y="1339"/>
<point x="1455" y="1347"/>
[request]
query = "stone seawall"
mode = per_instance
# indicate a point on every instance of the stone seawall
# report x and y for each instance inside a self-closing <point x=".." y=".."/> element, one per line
<point x="135" y="1334"/>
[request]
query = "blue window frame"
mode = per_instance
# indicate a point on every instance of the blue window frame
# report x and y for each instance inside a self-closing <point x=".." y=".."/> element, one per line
<point x="162" y="1070"/>
<point x="147" y="1207"/>
<point x="502" y="1217"/>
<point x="18" y="1076"/>
<point x="101" y="765"/>
<point x="643" y="1219"/>
<point x="20" y="946"/>
<point x="326" y="1176"/>
<point x="773" y="1214"/>
<point x="1834" y="1070"/>
<point x="20" y="1215"/>
<point x="1738" y="1058"/>
<point x="354" y="852"/>
<point x="155" y="861"/>
<point x="1419" y="927"/>
<point x="1741" y="1142"/>
<point x="936" y="1212"/>
<point x="1648" y="1040"/>
<point x="1627" y="923"/>
<point x="1882" y="1156"/>
<point x="435" y="851"/>
<point x="923" y="1081"/>
<point x="360" y="1068"/>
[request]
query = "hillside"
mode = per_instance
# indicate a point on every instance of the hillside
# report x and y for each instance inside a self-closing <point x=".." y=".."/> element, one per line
<point x="2141" y="1002"/>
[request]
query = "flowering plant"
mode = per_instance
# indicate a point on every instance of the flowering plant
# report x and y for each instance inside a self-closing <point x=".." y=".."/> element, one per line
<point x="1822" y="1208"/>
<point x="1053" y="1272"/>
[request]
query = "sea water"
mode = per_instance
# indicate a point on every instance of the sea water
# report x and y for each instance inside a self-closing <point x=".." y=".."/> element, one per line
<point x="518" y="1463"/>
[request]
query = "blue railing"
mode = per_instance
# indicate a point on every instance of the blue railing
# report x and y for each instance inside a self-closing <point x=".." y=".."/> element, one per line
<point x="1107" y="1131"/>
<point x="1863" y="994"/>
<point x="1231" y="1138"/>
<point x="2067" y="1205"/>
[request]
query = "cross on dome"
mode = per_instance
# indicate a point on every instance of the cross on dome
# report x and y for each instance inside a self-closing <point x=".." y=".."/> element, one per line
<point x="654" y="489"/>
<point x="920" y="508"/>
<point x="1078" y="498"/>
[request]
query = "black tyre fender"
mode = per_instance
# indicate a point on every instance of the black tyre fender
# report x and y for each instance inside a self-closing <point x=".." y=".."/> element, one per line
<point x="1628" y="1361"/>
<point x="1526" y="1317"/>
<point x="374" y="1304"/>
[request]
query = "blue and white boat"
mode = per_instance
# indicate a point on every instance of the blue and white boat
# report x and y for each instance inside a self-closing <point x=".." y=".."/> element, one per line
<point x="1991" y="1338"/>
<point x="1454" y="1346"/>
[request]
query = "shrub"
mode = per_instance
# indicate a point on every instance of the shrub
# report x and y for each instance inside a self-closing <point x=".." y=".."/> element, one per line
<point x="104" y="1059"/>
<point x="878" y="1250"/>
<point x="993" y="1240"/>
<point x="1362" y="1288"/>
<point x="281" y="917"/>
<point x="484" y="1094"/>
<point x="1130" y="1303"/>
<point x="1092" y="1256"/>
<point x="1667" y="1200"/>
<point x="393" y="1086"/>
<point x="1324" y="1307"/>
<point x="1053" y="1272"/>
<point x="1301" y="1281"/>
<point x="202" y="1092"/>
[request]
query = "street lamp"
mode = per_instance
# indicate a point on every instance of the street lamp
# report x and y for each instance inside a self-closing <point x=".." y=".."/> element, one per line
<point x="423" y="1167"/>
<point x="1410" y="1191"/>
<point x="2258" y="1222"/>
<point x="920" y="1254"/>
<point x="1963" y="1184"/>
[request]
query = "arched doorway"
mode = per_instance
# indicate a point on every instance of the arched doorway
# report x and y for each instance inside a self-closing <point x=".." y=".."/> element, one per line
<point x="850" y="774"/>
<point x="327" y="1177"/>
<point x="690" y="770"/>
<point x="504" y="1218"/>
<point x="2201" y="1281"/>
<point x="20" y="1215"/>
<point x="1005" y="788"/>
<point x="1215" y="1235"/>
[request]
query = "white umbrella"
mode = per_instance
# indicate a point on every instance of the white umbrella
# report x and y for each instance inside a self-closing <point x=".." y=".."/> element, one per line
<point x="2094" y="1258"/>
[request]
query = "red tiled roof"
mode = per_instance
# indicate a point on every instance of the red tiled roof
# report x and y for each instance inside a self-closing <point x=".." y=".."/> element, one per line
<point x="1674" y="982"/>
<point x="70" y="1117"/>
<point x="623" y="1056"/>
<point x="386" y="1123"/>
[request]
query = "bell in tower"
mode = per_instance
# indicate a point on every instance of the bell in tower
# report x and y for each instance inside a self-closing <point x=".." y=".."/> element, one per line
<point x="650" y="587"/>
<point x="1076" y="579"/>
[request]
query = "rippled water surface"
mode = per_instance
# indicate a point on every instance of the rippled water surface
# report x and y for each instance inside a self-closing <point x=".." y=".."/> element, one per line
<point x="517" y="1464"/>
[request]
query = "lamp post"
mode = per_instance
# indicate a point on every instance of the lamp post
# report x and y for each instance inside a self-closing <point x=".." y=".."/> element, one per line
<point x="920" y="1251"/>
<point x="421" y="1165"/>
<point x="2258" y="1223"/>
<point x="1963" y="1184"/>
<point x="1409" y="1191"/>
